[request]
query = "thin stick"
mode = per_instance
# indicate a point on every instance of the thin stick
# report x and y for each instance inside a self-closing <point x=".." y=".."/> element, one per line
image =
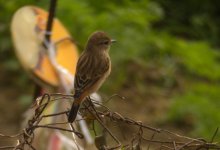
<point x="52" y="11"/>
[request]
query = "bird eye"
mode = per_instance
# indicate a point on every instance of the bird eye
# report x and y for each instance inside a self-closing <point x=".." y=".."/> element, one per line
<point x="105" y="42"/>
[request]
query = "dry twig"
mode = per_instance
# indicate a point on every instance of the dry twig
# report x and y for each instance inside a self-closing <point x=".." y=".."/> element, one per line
<point x="173" y="141"/>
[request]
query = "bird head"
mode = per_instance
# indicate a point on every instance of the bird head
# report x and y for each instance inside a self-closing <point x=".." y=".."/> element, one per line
<point x="99" y="41"/>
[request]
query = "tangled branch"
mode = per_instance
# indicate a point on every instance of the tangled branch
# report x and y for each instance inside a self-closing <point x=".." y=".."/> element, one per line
<point x="150" y="137"/>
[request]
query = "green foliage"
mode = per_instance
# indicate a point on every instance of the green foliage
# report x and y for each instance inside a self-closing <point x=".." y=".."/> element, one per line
<point x="192" y="19"/>
<point x="200" y="59"/>
<point x="197" y="58"/>
<point x="198" y="107"/>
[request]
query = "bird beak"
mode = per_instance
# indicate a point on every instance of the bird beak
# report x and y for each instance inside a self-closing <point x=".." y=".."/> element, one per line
<point x="113" y="41"/>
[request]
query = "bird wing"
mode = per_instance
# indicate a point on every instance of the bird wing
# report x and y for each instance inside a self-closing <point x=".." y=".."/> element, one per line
<point x="89" y="71"/>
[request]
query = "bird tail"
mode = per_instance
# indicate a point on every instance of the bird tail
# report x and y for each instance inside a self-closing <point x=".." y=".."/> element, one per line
<point x="73" y="112"/>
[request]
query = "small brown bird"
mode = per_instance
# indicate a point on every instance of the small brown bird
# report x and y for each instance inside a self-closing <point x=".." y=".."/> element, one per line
<point x="93" y="67"/>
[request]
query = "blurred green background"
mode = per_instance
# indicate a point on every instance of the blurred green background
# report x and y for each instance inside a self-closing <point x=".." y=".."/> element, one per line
<point x="166" y="61"/>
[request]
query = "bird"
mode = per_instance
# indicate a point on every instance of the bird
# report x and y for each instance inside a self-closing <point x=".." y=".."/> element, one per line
<point x="93" y="67"/>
